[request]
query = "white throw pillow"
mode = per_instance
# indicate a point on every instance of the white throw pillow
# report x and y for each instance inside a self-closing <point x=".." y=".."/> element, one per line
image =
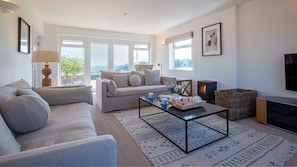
<point x="24" y="114"/>
<point x="135" y="80"/>
<point x="152" y="77"/>
<point x="120" y="80"/>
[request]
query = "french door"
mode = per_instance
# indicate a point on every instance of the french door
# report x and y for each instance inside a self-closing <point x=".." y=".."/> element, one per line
<point x="82" y="59"/>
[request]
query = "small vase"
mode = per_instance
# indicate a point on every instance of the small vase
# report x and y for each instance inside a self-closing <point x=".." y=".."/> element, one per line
<point x="174" y="95"/>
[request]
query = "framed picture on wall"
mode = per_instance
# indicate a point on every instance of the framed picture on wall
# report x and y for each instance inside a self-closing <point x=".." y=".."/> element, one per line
<point x="212" y="40"/>
<point x="23" y="36"/>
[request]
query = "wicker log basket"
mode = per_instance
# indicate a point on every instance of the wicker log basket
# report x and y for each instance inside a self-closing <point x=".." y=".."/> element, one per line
<point x="241" y="103"/>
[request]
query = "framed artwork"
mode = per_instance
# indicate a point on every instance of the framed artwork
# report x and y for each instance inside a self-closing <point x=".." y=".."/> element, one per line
<point x="23" y="36"/>
<point x="212" y="40"/>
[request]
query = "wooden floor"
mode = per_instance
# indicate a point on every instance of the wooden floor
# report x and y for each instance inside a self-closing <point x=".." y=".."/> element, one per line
<point x="129" y="153"/>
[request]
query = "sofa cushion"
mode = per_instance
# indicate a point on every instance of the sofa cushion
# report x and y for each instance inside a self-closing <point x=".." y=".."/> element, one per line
<point x="8" y="144"/>
<point x="152" y="77"/>
<point x="9" y="91"/>
<point x="21" y="92"/>
<point x="139" y="90"/>
<point x="21" y="84"/>
<point x="140" y="74"/>
<point x="60" y="96"/>
<point x="120" y="80"/>
<point x="135" y="80"/>
<point x="26" y="113"/>
<point x="6" y="93"/>
<point x="112" y="87"/>
<point x="109" y="74"/>
<point x="67" y="123"/>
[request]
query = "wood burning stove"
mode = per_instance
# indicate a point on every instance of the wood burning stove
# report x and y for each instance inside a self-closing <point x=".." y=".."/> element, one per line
<point x="206" y="90"/>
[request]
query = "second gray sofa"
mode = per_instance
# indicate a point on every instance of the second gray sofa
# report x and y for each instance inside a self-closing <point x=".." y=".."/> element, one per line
<point x="121" y="90"/>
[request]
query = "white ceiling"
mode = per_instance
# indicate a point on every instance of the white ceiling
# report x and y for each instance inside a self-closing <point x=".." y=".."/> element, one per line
<point x="133" y="16"/>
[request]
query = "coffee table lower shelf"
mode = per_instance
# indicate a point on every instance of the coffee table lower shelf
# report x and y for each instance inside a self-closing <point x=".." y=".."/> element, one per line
<point x="186" y="120"/>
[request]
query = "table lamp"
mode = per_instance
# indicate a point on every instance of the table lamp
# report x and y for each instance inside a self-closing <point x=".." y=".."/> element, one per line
<point x="46" y="57"/>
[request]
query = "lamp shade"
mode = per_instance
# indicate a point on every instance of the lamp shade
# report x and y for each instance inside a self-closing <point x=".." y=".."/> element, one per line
<point x="48" y="57"/>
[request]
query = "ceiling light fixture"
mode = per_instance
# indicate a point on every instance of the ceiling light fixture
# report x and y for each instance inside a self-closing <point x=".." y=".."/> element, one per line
<point x="7" y="6"/>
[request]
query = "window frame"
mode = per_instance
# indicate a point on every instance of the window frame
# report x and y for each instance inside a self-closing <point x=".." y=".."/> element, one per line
<point x="173" y="48"/>
<point x="87" y="41"/>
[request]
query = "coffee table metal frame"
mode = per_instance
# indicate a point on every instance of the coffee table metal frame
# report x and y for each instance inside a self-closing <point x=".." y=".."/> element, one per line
<point x="206" y="109"/>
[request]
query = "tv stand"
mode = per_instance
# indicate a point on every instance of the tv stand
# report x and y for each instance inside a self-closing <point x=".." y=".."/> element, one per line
<point x="279" y="111"/>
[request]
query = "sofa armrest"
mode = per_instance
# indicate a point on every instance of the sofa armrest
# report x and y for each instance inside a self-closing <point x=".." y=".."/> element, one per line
<point x="66" y="95"/>
<point x="101" y="92"/>
<point x="94" y="151"/>
<point x="167" y="79"/>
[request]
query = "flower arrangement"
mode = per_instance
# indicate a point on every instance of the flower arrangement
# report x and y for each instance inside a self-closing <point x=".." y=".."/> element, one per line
<point x="175" y="88"/>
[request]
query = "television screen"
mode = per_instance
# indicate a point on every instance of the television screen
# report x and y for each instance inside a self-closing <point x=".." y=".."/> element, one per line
<point x="291" y="71"/>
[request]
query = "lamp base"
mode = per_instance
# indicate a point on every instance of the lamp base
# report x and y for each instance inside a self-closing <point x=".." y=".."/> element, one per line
<point x="46" y="82"/>
<point x="46" y="71"/>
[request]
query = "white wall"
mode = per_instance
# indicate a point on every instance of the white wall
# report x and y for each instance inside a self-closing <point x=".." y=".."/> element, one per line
<point x="267" y="29"/>
<point x="223" y="68"/>
<point x="53" y="31"/>
<point x="14" y="65"/>
<point x="255" y="35"/>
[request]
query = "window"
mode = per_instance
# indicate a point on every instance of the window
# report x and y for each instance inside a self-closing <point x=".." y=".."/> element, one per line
<point x="72" y="63"/>
<point x="99" y="61"/>
<point x="86" y="57"/>
<point x="120" y="58"/>
<point x="180" y="55"/>
<point x="141" y="54"/>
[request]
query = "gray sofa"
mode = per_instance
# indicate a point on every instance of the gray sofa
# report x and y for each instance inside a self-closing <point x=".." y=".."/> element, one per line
<point x="51" y="127"/>
<point x="120" y="90"/>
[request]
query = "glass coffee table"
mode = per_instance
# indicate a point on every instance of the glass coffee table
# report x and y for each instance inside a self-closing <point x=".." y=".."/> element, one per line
<point x="185" y="119"/>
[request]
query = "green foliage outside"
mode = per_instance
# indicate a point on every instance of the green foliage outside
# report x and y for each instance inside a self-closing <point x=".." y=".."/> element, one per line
<point x="71" y="65"/>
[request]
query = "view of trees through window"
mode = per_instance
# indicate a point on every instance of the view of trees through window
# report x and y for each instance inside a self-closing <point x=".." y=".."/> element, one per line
<point x="72" y="65"/>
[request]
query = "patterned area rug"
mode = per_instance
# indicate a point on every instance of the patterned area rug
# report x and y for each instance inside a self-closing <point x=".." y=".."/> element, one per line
<point x="244" y="146"/>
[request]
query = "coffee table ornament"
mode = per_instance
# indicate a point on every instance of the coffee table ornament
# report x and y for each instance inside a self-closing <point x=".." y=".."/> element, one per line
<point x="185" y="103"/>
<point x="175" y="90"/>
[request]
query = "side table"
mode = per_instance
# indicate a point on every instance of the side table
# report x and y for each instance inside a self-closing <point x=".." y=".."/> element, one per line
<point x="187" y="91"/>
